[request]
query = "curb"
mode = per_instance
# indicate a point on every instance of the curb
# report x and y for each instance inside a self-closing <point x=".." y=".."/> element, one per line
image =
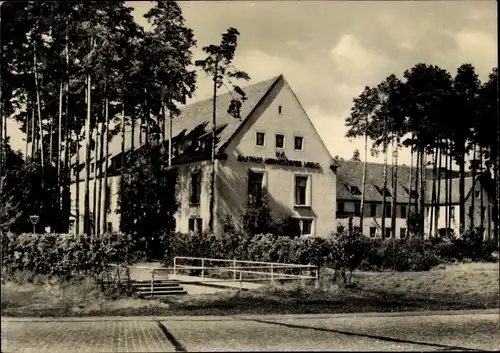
<point x="247" y="317"/>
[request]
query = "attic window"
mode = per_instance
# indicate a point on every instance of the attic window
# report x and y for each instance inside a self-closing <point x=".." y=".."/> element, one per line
<point x="414" y="194"/>
<point x="354" y="190"/>
<point x="387" y="192"/>
<point x="280" y="109"/>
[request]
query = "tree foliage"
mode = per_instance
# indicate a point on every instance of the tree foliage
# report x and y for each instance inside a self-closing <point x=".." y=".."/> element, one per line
<point x="146" y="216"/>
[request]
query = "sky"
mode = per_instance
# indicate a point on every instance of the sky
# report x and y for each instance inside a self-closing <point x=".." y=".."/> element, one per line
<point x="329" y="51"/>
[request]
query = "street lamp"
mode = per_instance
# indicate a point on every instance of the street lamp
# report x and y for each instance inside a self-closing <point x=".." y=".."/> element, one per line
<point x="34" y="220"/>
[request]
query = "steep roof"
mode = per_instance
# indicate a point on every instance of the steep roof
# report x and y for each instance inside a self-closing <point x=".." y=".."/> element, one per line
<point x="350" y="173"/>
<point x="199" y="116"/>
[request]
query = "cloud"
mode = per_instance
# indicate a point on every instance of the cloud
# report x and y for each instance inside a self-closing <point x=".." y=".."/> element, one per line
<point x="477" y="47"/>
<point x="356" y="63"/>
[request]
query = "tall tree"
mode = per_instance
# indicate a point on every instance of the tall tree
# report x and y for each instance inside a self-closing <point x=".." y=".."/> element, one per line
<point x="365" y="106"/>
<point x="466" y="87"/>
<point x="218" y="64"/>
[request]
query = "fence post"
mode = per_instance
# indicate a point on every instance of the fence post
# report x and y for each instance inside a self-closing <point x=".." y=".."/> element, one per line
<point x="272" y="274"/>
<point x="234" y="269"/>
<point x="241" y="282"/>
<point x="202" y="268"/>
<point x="317" y="278"/>
<point x="152" y="280"/>
<point x="175" y="266"/>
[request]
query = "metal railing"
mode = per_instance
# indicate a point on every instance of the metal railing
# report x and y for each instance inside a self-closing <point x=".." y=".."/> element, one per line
<point x="260" y="271"/>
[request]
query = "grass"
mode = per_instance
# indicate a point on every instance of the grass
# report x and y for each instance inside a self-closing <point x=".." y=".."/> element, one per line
<point x="450" y="287"/>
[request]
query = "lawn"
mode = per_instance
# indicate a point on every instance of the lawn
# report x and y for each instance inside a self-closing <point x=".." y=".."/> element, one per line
<point x="450" y="287"/>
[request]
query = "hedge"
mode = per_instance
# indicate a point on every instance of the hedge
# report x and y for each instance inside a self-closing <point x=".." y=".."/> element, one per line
<point x="64" y="255"/>
<point x="339" y="251"/>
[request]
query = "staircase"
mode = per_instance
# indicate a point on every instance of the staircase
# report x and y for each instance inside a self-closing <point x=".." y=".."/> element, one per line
<point x="161" y="288"/>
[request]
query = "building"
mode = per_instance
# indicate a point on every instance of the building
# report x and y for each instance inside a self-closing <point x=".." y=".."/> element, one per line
<point x="274" y="145"/>
<point x="350" y="186"/>
<point x="479" y="206"/>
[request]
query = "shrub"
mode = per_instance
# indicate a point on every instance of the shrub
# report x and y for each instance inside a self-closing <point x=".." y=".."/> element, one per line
<point x="62" y="255"/>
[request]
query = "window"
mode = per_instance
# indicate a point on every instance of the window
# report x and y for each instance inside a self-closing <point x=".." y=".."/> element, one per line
<point x="388" y="210"/>
<point x="403" y="211"/>
<point x="195" y="188"/>
<point x="199" y="225"/>
<point x="471" y="211"/>
<point x="280" y="109"/>
<point x="255" y="180"/>
<point x="388" y="232"/>
<point x="191" y="224"/>
<point x="478" y="194"/>
<point x="354" y="190"/>
<point x="373" y="210"/>
<point x="109" y="227"/>
<point x="306" y="227"/>
<point x="299" y="143"/>
<point x="280" y="141"/>
<point x="373" y="232"/>
<point x="414" y="194"/>
<point x="483" y="212"/>
<point x="402" y="233"/>
<point x="452" y="212"/>
<point x="259" y="139"/>
<point x="301" y="190"/>
<point x="357" y="209"/>
<point x="340" y="207"/>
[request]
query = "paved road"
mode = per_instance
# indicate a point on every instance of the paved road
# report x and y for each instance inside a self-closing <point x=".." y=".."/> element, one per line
<point x="480" y="331"/>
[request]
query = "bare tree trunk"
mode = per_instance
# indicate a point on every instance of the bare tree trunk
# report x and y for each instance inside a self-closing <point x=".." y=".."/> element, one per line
<point x="461" y="186"/>
<point x="434" y="204"/>
<point x="51" y="142"/>
<point x="481" y="152"/>
<point x="33" y="131"/>
<point x="212" y="159"/>
<point x="27" y="131"/>
<point x="410" y="188"/>
<point x="67" y="161"/>
<point x="99" y="197"/>
<point x="417" y="191"/>
<point x="39" y="112"/>
<point x="77" y="198"/>
<point x="123" y="135"/>
<point x="94" y="181"/>
<point x="106" y="161"/>
<point x="384" y="191"/>
<point x="473" y="196"/>
<point x="395" y="189"/>
<point x="59" y="143"/>
<point x="447" y="193"/>
<point x="86" y="210"/>
<point x="422" y="190"/>
<point x="438" y="197"/>
<point x="362" y="208"/>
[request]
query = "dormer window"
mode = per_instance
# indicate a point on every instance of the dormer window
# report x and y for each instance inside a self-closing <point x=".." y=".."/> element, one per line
<point x="354" y="190"/>
<point x="381" y="191"/>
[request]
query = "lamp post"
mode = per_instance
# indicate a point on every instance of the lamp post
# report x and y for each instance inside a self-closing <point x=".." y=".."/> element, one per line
<point x="34" y="220"/>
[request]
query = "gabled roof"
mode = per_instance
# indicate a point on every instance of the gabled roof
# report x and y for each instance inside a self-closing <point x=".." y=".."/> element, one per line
<point x="200" y="114"/>
<point x="455" y="187"/>
<point x="350" y="173"/>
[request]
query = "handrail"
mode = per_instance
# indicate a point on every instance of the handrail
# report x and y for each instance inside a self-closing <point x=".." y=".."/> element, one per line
<point x="271" y="266"/>
<point x="281" y="264"/>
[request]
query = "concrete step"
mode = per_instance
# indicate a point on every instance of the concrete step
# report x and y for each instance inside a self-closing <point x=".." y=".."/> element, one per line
<point x="147" y="294"/>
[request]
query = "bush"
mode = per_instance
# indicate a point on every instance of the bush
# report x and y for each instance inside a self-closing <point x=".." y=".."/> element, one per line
<point x="63" y="255"/>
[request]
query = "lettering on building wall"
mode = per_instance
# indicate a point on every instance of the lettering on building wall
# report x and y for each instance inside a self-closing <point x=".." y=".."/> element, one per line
<point x="274" y="161"/>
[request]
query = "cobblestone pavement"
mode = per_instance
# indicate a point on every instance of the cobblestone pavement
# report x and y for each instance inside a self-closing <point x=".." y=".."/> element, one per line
<point x="97" y="336"/>
<point x="412" y="332"/>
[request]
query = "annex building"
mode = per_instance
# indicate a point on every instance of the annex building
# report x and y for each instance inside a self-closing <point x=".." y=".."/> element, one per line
<point x="273" y="146"/>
